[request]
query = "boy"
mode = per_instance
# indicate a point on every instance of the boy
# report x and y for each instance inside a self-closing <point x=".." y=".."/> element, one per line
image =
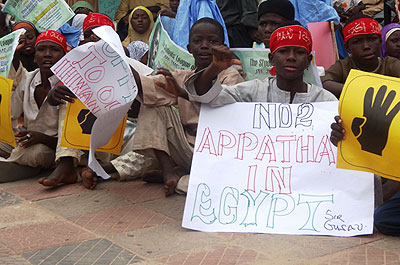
<point x="290" y="56"/>
<point x="68" y="158"/>
<point x="38" y="141"/>
<point x="160" y="133"/>
<point x="363" y="42"/>
<point x="271" y="14"/>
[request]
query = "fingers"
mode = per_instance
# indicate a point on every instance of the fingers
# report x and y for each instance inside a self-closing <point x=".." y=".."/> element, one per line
<point x="163" y="71"/>
<point x="393" y="112"/>
<point x="368" y="100"/>
<point x="379" y="97"/>
<point x="388" y="101"/>
<point x="337" y="133"/>
<point x="65" y="90"/>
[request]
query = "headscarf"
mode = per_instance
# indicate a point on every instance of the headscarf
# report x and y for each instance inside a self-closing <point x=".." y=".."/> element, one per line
<point x="23" y="24"/>
<point x="361" y="26"/>
<point x="82" y="4"/>
<point x="53" y="36"/>
<point x="132" y="34"/>
<point x="137" y="49"/>
<point x="77" y="22"/>
<point x="96" y="19"/>
<point x="386" y="32"/>
<point x="294" y="35"/>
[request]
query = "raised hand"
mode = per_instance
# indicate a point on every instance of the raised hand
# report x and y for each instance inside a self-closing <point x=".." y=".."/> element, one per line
<point x="59" y="95"/>
<point x="223" y="57"/>
<point x="372" y="129"/>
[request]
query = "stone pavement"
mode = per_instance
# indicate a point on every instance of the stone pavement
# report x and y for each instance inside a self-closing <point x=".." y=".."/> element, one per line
<point x="133" y="223"/>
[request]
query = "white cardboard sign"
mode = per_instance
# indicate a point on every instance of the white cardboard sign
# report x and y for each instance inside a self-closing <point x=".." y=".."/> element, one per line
<point x="270" y="168"/>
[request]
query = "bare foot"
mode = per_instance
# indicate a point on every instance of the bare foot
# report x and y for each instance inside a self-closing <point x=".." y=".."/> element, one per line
<point x="64" y="173"/>
<point x="89" y="178"/>
<point x="171" y="180"/>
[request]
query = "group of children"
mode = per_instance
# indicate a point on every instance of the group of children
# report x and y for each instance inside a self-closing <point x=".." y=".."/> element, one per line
<point x="161" y="148"/>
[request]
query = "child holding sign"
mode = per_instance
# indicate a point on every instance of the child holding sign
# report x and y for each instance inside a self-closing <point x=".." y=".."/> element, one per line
<point x="162" y="134"/>
<point x="290" y="53"/>
<point x="363" y="43"/>
<point x="38" y="140"/>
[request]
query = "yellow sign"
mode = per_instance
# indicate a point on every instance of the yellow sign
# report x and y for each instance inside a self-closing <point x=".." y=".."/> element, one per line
<point x="6" y="131"/>
<point x="78" y="127"/>
<point x="369" y="108"/>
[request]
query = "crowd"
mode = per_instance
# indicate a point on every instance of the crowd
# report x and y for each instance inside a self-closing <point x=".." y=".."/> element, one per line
<point x="166" y="111"/>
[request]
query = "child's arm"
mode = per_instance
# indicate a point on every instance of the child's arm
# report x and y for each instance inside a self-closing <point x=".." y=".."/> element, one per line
<point x="222" y="59"/>
<point x="337" y="133"/>
<point x="333" y="87"/>
<point x="29" y="138"/>
<point x="171" y="85"/>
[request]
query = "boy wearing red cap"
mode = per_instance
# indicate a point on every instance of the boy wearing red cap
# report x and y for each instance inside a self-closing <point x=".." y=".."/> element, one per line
<point x="363" y="42"/>
<point x="290" y="54"/>
<point x="37" y="140"/>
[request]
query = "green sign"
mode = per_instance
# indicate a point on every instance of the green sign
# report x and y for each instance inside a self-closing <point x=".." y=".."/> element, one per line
<point x="255" y="63"/>
<point x="163" y="52"/>
<point x="108" y="7"/>
<point x="8" y="44"/>
<point x="44" y="14"/>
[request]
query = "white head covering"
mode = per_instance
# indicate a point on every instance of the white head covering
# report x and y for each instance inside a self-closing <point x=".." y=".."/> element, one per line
<point x="137" y="49"/>
<point x="77" y="22"/>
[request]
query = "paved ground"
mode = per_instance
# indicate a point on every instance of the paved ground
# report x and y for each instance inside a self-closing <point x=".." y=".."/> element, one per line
<point x="133" y="223"/>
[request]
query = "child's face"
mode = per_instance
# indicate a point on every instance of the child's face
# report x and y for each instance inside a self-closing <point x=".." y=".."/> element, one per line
<point x="393" y="45"/>
<point x="47" y="54"/>
<point x="204" y="36"/>
<point x="29" y="39"/>
<point x="290" y="61"/>
<point x="364" y="49"/>
<point x="140" y="21"/>
<point x="174" y="4"/>
<point x="267" y="23"/>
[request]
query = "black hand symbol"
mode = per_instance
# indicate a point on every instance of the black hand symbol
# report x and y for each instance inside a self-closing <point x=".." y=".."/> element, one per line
<point x="86" y="120"/>
<point x="372" y="130"/>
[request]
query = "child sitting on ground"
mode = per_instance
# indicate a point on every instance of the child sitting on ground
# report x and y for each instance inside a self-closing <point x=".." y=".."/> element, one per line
<point x="161" y="133"/>
<point x="363" y="43"/>
<point x="37" y="140"/>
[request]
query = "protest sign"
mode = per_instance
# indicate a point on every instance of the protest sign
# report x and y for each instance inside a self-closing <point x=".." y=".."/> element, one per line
<point x="163" y="52"/>
<point x="108" y="7"/>
<point x="77" y="130"/>
<point x="255" y="63"/>
<point x="44" y="14"/>
<point x="273" y="170"/>
<point x="323" y="43"/>
<point x="99" y="75"/>
<point x="8" y="44"/>
<point x="6" y="131"/>
<point x="369" y="108"/>
<point x="397" y="7"/>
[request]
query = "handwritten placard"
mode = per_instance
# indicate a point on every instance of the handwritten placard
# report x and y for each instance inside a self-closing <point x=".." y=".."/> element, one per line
<point x="273" y="170"/>
<point x="44" y="14"/>
<point x="99" y="75"/>
<point x="108" y="7"/>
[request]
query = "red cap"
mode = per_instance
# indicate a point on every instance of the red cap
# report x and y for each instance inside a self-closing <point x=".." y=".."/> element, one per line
<point x="96" y="19"/>
<point x="290" y="36"/>
<point x="361" y="26"/>
<point x="53" y="36"/>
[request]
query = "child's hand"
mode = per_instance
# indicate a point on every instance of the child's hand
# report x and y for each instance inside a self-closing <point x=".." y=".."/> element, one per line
<point x="29" y="138"/>
<point x="222" y="57"/>
<point x="337" y="133"/>
<point x="171" y="86"/>
<point x="59" y="95"/>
